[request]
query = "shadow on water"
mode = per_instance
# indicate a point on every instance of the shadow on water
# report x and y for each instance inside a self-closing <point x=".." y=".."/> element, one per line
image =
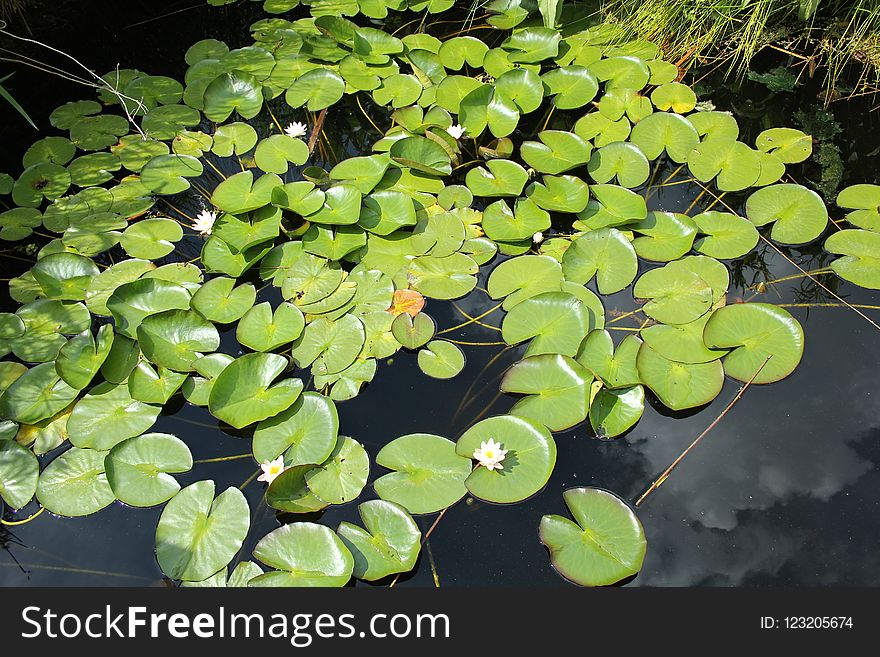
<point x="783" y="492"/>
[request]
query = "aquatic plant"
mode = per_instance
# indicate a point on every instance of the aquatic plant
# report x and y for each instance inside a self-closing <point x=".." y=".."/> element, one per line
<point x="489" y="146"/>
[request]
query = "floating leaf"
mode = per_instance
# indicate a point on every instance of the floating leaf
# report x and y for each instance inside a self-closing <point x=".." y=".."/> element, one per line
<point x="787" y="144"/>
<point x="503" y="224"/>
<point x="679" y="385"/>
<point x="107" y="416"/>
<point x="64" y="275"/>
<point x="530" y="459"/>
<point x="234" y="91"/>
<point x="36" y="395"/>
<point x="261" y="329"/>
<point x="559" y="193"/>
<point x="503" y="178"/>
<point x="661" y="132"/>
<point x="75" y="484"/>
<point x="441" y="359"/>
<point x="220" y="301"/>
<point x="614" y="412"/>
<point x="389" y="544"/>
<point x="413" y="331"/>
<point x="175" y="338"/>
<point x="288" y="492"/>
<point x="605" y="254"/>
<point x="316" y="89"/>
<point x="556" y="322"/>
<point x="148" y="385"/>
<point x="860" y="263"/>
<point x="605" y="545"/>
<point x="736" y="166"/>
<point x="19" y="471"/>
<point x="342" y="205"/>
<point x="570" y="86"/>
<point x="274" y="154"/>
<point x="234" y="139"/>
<point x="151" y="238"/>
<point x="557" y="152"/>
<point x="329" y="346"/>
<point x="613" y="206"/>
<point x="342" y="477"/>
<point x="524" y="277"/>
<point x="674" y="96"/>
<point x="676" y="295"/>
<point x="305" y="433"/>
<point x="615" y="368"/>
<point x="138" y="468"/>
<point x="665" y="236"/>
<point x="557" y="389"/>
<point x="197" y="535"/>
<point x="81" y="358"/>
<point x="167" y="174"/>
<point x="428" y="474"/>
<point x="797" y="213"/>
<point x="243" y="392"/>
<point x="754" y="332"/>
<point x="864" y="200"/>
<point x="724" y="235"/>
<point x="423" y="155"/>
<point x="303" y="554"/>
<point x="682" y="343"/>
<point x="447" y="277"/>
<point x="622" y="160"/>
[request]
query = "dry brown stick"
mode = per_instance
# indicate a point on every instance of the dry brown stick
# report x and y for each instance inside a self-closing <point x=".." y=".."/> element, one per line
<point x="316" y="130"/>
<point x="668" y="471"/>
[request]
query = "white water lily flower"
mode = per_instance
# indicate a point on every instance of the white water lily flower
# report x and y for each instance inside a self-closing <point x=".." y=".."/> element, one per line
<point x="271" y="469"/>
<point x="204" y="222"/>
<point x="538" y="237"/>
<point x="455" y="131"/>
<point x="296" y="129"/>
<point x="490" y="455"/>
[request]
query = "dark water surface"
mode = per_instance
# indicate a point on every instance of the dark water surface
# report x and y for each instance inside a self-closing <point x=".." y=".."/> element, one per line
<point x="783" y="492"/>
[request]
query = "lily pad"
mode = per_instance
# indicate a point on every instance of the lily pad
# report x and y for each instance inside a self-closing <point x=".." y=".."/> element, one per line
<point x="616" y="368"/>
<point x="570" y="86"/>
<point x="199" y="534"/>
<point x="622" y="160"/>
<point x="787" y="144"/>
<point x="556" y="322"/>
<point x="503" y="178"/>
<point x="139" y="469"/>
<point x="239" y="193"/>
<point x="151" y="239"/>
<point x="860" y="263"/>
<point x="342" y="477"/>
<point x="754" y="332"/>
<point x="661" y="132"/>
<point x="679" y="385"/>
<point x="557" y="390"/>
<point x="863" y="200"/>
<point x="557" y="152"/>
<point x="329" y="346"/>
<point x="614" y="412"/>
<point x="735" y="165"/>
<point x="682" y="343"/>
<point x="243" y="393"/>
<point x="305" y="433"/>
<point x="107" y="415"/>
<point x="175" y="338"/>
<point x="167" y="174"/>
<point x="389" y="542"/>
<point x="75" y="484"/>
<point x="441" y="359"/>
<point x="530" y="459"/>
<point x="220" y="301"/>
<point x="81" y="358"/>
<point x="316" y="89"/>
<point x="428" y="474"/>
<point x="664" y="236"/>
<point x="447" y="277"/>
<point x="604" y="545"/>
<point x="304" y="554"/>
<point x="261" y="329"/>
<point x="19" y="471"/>
<point x="797" y="213"/>
<point x="518" y="279"/>
<point x="413" y="331"/>
<point x="274" y="154"/>
<point x="605" y="254"/>
<point x="724" y="235"/>
<point x="675" y="295"/>
<point x="36" y="395"/>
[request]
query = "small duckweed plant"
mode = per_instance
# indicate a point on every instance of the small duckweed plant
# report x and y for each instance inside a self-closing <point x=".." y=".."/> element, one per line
<point x="114" y="320"/>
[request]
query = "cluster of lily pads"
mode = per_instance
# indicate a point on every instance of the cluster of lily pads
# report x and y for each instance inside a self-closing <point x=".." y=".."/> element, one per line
<point x="114" y="321"/>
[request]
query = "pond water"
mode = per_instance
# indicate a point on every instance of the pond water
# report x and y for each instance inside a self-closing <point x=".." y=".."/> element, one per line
<point x="783" y="492"/>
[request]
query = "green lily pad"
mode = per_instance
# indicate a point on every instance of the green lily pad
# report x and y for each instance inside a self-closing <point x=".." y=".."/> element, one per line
<point x="559" y="193"/>
<point x="131" y="303"/>
<point x="288" y="492"/>
<point x="122" y="359"/>
<point x="605" y="254"/>
<point x="682" y="343"/>
<point x="36" y="395"/>
<point x="342" y="477"/>
<point x="389" y="544"/>
<point x="754" y="332"/>
<point x="154" y="385"/>
<point x="151" y="239"/>
<point x="18" y="223"/>
<point x="557" y="152"/>
<point x="305" y="433"/>
<point x="556" y="322"/>
<point x="19" y="471"/>
<point x="81" y="358"/>
<point x="675" y="295"/>
<point x="456" y="51"/>
<point x="664" y="236"/>
<point x="601" y="130"/>
<point x="175" y="338"/>
<point x="484" y="107"/>
<point x="500" y="223"/>
<point x="605" y="544"/>
<point x="661" y="132"/>
<point x="139" y="469"/>
<point x="679" y="385"/>
<point x="167" y="174"/>
<point x="342" y="205"/>
<point x="199" y="534"/>
<point x="674" y="96"/>
<point x="57" y="150"/>
<point x="422" y="154"/>
<point x="787" y="144"/>
<point x="522" y="87"/>
<point x="413" y="332"/>
<point x="64" y="275"/>
<point x="234" y="139"/>
<point x="447" y="277"/>
<point x="557" y="390"/>
<point x="570" y="86"/>
<point x="614" y="412"/>
<point x="316" y="89"/>
<point x="220" y="301"/>
<point x="441" y="359"/>
<point x="428" y="474"/>
<point x="518" y="279"/>
<point x="239" y="193"/>
<point x="398" y="90"/>
<point x="532" y="44"/>
<point x="797" y="213"/>
<point x="261" y="329"/>
<point x="616" y="368"/>
<point x="503" y="178"/>
<point x="93" y="169"/>
<point x="621" y="72"/>
<point x="530" y="459"/>
<point x="621" y="160"/>
<point x="274" y="154"/>
<point x="863" y="200"/>
<point x="724" y="235"/>
<point x="366" y="172"/>
<point x="735" y="165"/>
<point x="234" y="91"/>
<point x="860" y="263"/>
<point x="304" y="554"/>
<point x="613" y="206"/>
<point x="243" y="393"/>
<point x="40" y="181"/>
<point x="329" y="346"/>
<point x="714" y="125"/>
<point x="104" y="284"/>
<point x="107" y="415"/>
<point x="75" y="484"/>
